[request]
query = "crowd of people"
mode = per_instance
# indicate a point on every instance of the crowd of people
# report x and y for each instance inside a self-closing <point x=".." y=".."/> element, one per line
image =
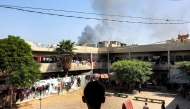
<point x="36" y="91"/>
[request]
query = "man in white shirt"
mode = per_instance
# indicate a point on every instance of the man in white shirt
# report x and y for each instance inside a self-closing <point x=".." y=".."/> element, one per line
<point x="145" y="106"/>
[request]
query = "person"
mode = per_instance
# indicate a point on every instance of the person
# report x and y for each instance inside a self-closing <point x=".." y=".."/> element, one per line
<point x="78" y="81"/>
<point x="58" y="89"/>
<point x="184" y="93"/>
<point x="145" y="106"/>
<point x="139" y="87"/>
<point x="177" y="107"/>
<point x="163" y="105"/>
<point x="107" y="84"/>
<point x="94" y="95"/>
<point x="120" y="88"/>
<point x="181" y="88"/>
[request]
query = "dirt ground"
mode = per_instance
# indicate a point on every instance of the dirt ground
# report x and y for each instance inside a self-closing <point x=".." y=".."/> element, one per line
<point x="66" y="97"/>
<point x="73" y="100"/>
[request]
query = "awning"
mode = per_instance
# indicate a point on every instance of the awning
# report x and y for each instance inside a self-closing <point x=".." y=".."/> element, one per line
<point x="106" y="76"/>
<point x="102" y="75"/>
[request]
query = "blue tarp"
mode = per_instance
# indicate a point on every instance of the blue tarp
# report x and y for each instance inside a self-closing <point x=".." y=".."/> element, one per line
<point x="176" y="76"/>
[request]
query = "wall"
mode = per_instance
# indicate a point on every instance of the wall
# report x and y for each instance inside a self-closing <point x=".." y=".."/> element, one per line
<point x="79" y="49"/>
<point x="147" y="48"/>
<point x="135" y="51"/>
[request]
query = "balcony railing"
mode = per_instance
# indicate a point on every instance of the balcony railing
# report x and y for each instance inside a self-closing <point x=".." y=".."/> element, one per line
<point x="162" y="66"/>
<point x="57" y="67"/>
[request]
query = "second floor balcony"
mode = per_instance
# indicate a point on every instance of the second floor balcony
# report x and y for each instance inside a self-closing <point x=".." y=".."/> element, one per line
<point x="57" y="67"/>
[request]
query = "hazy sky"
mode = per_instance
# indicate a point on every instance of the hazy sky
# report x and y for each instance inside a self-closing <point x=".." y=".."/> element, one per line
<point x="51" y="29"/>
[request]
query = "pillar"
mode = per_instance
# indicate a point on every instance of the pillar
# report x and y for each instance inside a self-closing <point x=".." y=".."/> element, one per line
<point x="168" y="60"/>
<point x="129" y="55"/>
<point x="91" y="57"/>
<point x="108" y="63"/>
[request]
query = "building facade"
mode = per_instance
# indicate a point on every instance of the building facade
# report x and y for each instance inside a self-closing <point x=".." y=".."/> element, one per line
<point x="99" y="57"/>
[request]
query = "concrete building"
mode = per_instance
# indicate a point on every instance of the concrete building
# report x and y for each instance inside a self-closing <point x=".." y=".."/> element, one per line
<point x="103" y="54"/>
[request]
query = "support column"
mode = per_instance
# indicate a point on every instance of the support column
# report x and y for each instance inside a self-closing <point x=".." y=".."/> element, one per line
<point x="92" y="65"/>
<point x="129" y="55"/>
<point x="108" y="63"/>
<point x="168" y="60"/>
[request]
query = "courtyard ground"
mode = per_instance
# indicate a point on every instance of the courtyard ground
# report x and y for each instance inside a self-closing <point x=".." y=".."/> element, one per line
<point x="73" y="100"/>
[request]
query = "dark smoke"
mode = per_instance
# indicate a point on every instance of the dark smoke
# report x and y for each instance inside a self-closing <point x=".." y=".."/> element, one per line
<point x="132" y="32"/>
<point x="92" y="35"/>
<point x="87" y="36"/>
<point x="105" y="30"/>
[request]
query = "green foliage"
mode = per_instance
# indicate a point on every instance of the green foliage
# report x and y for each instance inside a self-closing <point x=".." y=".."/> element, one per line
<point x="66" y="48"/>
<point x="26" y="75"/>
<point x="16" y="57"/>
<point x="183" y="66"/>
<point x="132" y="70"/>
<point x="134" y="45"/>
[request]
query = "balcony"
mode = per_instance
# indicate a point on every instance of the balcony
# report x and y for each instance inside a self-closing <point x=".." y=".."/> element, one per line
<point x="56" y="67"/>
<point x="162" y="66"/>
<point x="101" y="65"/>
<point x="159" y="66"/>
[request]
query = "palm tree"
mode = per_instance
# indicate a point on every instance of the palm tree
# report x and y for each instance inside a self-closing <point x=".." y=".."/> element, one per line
<point x="66" y="49"/>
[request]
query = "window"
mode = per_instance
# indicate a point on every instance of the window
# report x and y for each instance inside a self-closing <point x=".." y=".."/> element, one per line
<point x="139" y="57"/>
<point x="145" y="58"/>
<point x="187" y="58"/>
<point x="179" y="58"/>
<point x="2" y="82"/>
<point x="74" y="58"/>
<point x="164" y="58"/>
<point x="80" y="59"/>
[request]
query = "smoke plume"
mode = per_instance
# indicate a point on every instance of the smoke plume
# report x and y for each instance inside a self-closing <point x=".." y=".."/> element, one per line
<point x="136" y="32"/>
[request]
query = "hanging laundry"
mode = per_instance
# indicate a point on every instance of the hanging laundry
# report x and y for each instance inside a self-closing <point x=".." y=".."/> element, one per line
<point x="38" y="58"/>
<point x="44" y="59"/>
<point x="51" y="60"/>
<point x="47" y="60"/>
<point x="94" y="63"/>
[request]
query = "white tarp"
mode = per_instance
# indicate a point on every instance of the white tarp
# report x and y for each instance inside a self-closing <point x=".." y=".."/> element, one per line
<point x="67" y="79"/>
<point x="88" y="73"/>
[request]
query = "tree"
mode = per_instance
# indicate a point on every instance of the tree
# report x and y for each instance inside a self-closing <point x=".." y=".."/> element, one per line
<point x="66" y="49"/>
<point x="17" y="58"/>
<point x="134" y="45"/>
<point x="183" y="66"/>
<point x="132" y="70"/>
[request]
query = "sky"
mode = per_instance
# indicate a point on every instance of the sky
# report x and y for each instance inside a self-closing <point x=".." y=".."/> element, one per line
<point x="48" y="29"/>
